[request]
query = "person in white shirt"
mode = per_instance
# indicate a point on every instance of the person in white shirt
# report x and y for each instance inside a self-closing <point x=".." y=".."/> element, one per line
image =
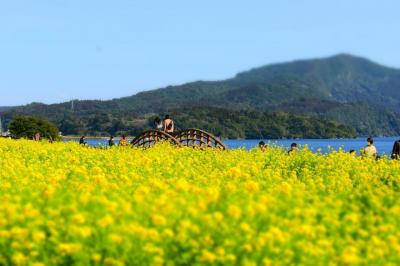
<point x="158" y="124"/>
<point x="370" y="150"/>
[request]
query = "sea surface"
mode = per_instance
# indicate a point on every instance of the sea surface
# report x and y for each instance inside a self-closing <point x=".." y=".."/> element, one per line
<point x="383" y="144"/>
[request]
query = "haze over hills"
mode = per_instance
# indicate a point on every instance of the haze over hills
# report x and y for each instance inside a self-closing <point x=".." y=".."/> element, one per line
<point x="4" y="108"/>
<point x="342" y="78"/>
<point x="343" y="89"/>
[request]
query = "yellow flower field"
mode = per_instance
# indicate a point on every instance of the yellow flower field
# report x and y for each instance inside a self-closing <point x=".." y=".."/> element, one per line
<point x="62" y="204"/>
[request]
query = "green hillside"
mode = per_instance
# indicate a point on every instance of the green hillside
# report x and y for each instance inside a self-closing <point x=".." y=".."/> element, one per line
<point x="258" y="125"/>
<point x="342" y="78"/>
<point x="344" y="89"/>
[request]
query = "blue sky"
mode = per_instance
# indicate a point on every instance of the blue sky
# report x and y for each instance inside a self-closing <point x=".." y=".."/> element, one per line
<point x="56" y="50"/>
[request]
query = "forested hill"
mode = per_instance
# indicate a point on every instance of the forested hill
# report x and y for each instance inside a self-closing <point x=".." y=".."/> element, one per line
<point x="342" y="78"/>
<point x="344" y="89"/>
<point x="5" y="108"/>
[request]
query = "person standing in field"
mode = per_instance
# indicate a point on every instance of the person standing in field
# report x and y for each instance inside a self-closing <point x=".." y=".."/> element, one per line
<point x="111" y="141"/>
<point x="82" y="140"/>
<point x="262" y="146"/>
<point x="37" y="137"/>
<point x="168" y="124"/>
<point x="396" y="150"/>
<point x="158" y="124"/>
<point x="370" y="150"/>
<point x="123" y="141"/>
<point x="293" y="148"/>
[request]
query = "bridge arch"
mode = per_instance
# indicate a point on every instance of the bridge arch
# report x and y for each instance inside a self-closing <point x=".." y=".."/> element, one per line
<point x="150" y="137"/>
<point x="199" y="138"/>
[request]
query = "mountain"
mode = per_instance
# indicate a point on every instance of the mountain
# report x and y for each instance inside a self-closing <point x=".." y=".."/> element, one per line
<point x="345" y="89"/>
<point x="5" y="108"/>
<point x="342" y="78"/>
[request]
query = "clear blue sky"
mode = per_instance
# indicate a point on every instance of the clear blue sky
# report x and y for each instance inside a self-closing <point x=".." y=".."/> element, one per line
<point x="56" y="50"/>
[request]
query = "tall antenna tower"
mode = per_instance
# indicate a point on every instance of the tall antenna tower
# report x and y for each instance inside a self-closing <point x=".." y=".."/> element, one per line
<point x="72" y="105"/>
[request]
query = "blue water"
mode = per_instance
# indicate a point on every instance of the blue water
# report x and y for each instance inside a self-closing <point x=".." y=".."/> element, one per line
<point x="383" y="144"/>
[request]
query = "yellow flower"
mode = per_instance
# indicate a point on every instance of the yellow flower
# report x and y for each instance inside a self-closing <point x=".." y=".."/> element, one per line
<point x="150" y="248"/>
<point x="106" y="221"/>
<point x="247" y="248"/>
<point x="218" y="216"/>
<point x="230" y="258"/>
<point x="202" y="206"/>
<point x="159" y="219"/>
<point x="18" y="232"/>
<point x="96" y="257"/>
<point x="158" y="260"/>
<point x="78" y="218"/>
<point x="113" y="262"/>
<point x="116" y="239"/>
<point x="350" y="257"/>
<point x="69" y="248"/>
<point x="252" y="186"/>
<point x="245" y="227"/>
<point x="85" y="231"/>
<point x="30" y="211"/>
<point x="220" y="251"/>
<point x="168" y="233"/>
<point x="4" y="234"/>
<point x="38" y="236"/>
<point x="208" y="257"/>
<point x="19" y="258"/>
<point x="234" y="211"/>
<point x="49" y="191"/>
<point x="267" y="262"/>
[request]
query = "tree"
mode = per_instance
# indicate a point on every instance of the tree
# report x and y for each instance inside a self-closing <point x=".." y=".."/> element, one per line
<point x="116" y="125"/>
<point x="70" y="125"/>
<point x="28" y="126"/>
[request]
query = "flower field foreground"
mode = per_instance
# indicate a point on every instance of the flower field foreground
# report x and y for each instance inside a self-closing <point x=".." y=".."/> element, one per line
<point x="65" y="204"/>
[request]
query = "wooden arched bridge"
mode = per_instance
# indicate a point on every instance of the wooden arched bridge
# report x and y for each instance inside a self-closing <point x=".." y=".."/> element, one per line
<point x="188" y="137"/>
<point x="150" y="137"/>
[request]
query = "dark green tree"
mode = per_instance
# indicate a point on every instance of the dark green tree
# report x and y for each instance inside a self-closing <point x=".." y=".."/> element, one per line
<point x="70" y="126"/>
<point x="28" y="126"/>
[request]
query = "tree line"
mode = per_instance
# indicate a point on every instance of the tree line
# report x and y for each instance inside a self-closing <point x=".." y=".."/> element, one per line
<point x="221" y="122"/>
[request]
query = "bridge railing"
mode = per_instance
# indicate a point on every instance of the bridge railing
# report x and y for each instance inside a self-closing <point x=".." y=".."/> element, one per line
<point x="188" y="137"/>
<point x="199" y="138"/>
<point x="150" y="137"/>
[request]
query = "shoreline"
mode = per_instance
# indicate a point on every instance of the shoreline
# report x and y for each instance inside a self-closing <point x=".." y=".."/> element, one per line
<point x="272" y="139"/>
<point x="90" y="137"/>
